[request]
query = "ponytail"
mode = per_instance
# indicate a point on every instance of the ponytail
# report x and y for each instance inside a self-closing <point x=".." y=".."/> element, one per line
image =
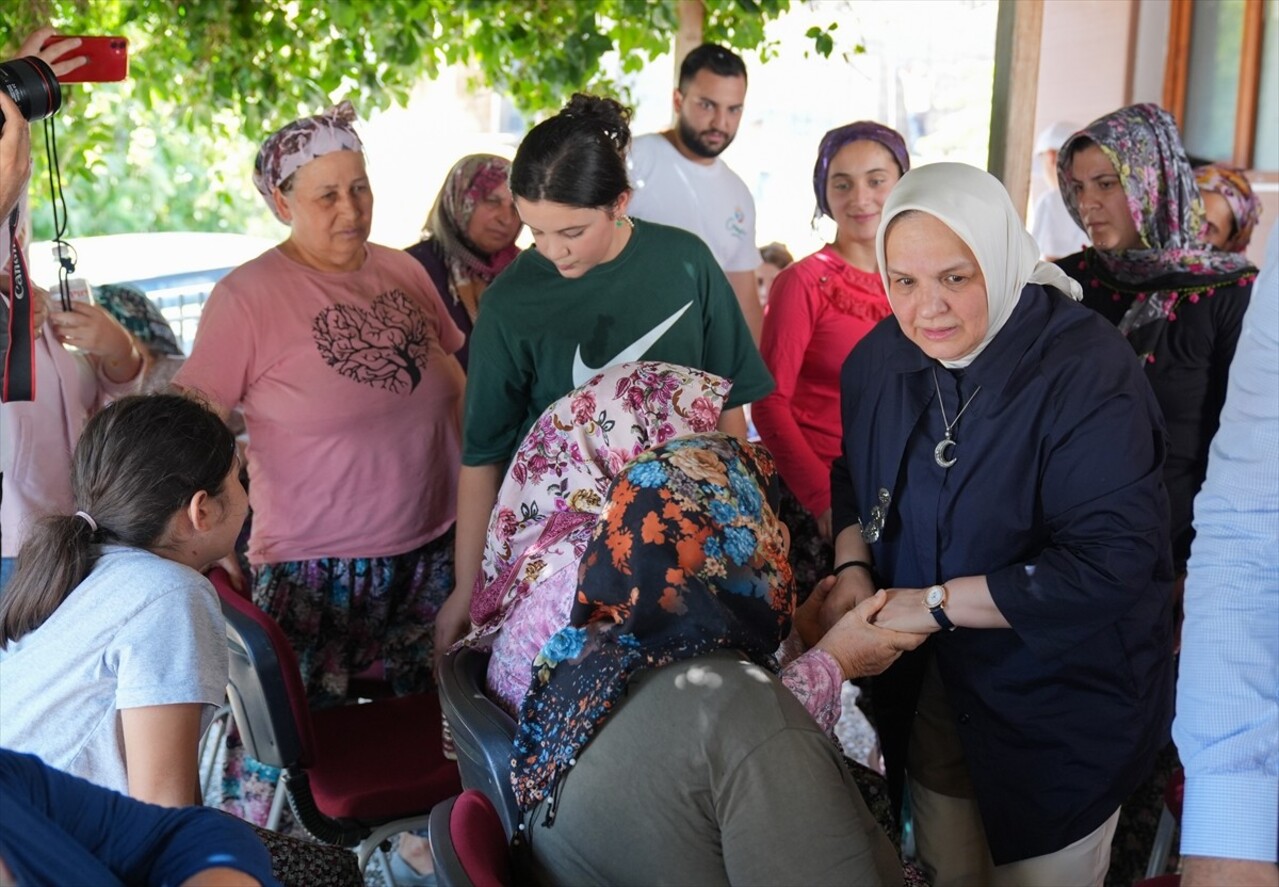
<point x="56" y="556"/>
<point x="138" y="462"/>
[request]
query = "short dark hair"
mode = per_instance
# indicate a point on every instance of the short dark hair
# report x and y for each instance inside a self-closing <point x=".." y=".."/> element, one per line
<point x="577" y="157"/>
<point x="718" y="59"/>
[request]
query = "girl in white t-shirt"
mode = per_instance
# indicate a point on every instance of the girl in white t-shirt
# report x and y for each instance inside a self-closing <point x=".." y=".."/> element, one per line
<point x="113" y="652"/>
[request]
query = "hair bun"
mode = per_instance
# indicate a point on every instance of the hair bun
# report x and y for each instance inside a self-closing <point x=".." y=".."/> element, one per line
<point x="610" y="115"/>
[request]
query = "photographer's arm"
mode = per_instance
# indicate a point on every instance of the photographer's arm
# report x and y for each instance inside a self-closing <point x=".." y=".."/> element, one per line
<point x="15" y="156"/>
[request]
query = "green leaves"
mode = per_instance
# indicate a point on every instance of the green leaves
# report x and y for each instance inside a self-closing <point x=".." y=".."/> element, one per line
<point x="211" y="78"/>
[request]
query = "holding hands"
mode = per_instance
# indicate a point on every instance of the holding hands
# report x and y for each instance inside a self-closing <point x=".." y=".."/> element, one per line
<point x="855" y="638"/>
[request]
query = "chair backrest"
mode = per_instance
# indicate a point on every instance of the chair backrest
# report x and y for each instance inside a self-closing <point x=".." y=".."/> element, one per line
<point x="468" y="845"/>
<point x="265" y="685"/>
<point x="483" y="733"/>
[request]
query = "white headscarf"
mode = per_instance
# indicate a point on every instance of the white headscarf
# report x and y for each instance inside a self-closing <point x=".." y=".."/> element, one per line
<point x="974" y="205"/>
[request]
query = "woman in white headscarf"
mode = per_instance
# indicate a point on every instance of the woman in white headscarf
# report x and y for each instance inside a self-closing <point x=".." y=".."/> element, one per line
<point x="1001" y="477"/>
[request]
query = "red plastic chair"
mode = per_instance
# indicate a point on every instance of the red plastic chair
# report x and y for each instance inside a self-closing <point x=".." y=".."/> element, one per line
<point x="355" y="774"/>
<point x="468" y="843"/>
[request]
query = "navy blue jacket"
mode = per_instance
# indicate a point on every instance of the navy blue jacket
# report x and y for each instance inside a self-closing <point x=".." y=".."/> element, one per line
<point x="1057" y="498"/>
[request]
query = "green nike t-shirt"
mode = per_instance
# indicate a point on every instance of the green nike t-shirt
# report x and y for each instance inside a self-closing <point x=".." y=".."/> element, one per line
<point x="540" y="335"/>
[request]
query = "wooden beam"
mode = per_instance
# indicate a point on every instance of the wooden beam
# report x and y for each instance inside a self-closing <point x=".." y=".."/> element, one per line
<point x="692" y="18"/>
<point x="1018" y="30"/>
<point x="1177" y="62"/>
<point x="1254" y="24"/>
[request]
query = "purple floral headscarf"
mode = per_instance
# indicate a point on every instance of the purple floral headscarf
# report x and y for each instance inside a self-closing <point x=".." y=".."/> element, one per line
<point x="1142" y="143"/>
<point x="1233" y="185"/>
<point x="300" y="142"/>
<point x="862" y="130"/>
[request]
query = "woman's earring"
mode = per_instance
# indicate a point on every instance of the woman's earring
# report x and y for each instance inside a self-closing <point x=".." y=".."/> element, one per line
<point x="625" y="220"/>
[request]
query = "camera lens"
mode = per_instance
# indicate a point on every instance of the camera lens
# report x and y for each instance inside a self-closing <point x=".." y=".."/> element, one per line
<point x="32" y="86"/>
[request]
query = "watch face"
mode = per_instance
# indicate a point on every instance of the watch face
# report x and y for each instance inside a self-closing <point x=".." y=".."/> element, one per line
<point x="935" y="596"/>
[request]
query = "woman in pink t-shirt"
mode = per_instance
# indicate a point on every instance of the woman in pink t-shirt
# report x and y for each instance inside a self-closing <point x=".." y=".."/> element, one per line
<point x="818" y="309"/>
<point x="339" y="352"/>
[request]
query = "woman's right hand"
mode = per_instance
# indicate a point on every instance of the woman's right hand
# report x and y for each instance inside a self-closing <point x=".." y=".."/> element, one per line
<point x="452" y="623"/>
<point x="861" y="648"/>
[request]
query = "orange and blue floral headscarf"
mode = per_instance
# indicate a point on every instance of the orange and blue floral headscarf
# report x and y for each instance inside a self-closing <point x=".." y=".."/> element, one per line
<point x="1145" y="148"/>
<point x="1233" y="185"/>
<point x="688" y="557"/>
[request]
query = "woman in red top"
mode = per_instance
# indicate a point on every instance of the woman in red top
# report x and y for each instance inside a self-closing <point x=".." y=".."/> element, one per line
<point x="818" y="309"/>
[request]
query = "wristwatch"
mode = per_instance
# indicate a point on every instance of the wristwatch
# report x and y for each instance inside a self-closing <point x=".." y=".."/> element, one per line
<point x="935" y="601"/>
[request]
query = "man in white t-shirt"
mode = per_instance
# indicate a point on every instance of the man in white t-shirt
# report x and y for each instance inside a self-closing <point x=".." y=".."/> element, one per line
<point x="679" y="179"/>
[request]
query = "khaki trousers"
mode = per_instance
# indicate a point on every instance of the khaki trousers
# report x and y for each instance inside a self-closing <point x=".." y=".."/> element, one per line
<point x="951" y="847"/>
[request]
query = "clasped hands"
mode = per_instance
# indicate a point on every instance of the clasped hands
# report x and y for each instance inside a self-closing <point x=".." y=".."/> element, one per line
<point x="863" y="629"/>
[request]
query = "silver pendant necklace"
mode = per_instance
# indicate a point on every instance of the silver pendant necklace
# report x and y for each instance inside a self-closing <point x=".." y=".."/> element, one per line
<point x="947" y="443"/>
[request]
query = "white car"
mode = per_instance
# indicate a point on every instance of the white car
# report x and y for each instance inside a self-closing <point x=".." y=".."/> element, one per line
<point x="176" y="269"/>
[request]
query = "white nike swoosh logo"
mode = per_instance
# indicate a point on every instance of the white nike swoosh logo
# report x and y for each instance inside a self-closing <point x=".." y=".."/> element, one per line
<point x="583" y="374"/>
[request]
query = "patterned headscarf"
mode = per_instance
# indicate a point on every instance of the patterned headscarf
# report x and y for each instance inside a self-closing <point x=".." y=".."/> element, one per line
<point x="1233" y="185"/>
<point x="469" y="182"/>
<point x="867" y="130"/>
<point x="139" y="315"/>
<point x="300" y="142"/>
<point x="687" y="558"/>
<point x="554" y="487"/>
<point x="1142" y="143"/>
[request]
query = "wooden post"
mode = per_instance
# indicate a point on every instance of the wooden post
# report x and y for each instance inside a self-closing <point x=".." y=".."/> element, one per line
<point x="1254" y="23"/>
<point x="692" y="15"/>
<point x="1177" y="63"/>
<point x="1012" y="112"/>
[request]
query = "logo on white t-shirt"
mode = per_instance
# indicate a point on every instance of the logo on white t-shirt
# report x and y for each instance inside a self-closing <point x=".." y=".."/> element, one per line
<point x="736" y="224"/>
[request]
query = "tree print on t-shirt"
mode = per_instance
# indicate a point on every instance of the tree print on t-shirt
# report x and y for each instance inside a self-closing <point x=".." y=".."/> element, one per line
<point x="383" y="346"/>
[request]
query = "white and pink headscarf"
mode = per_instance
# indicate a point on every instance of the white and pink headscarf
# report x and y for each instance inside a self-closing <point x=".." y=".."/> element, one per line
<point x="300" y="142"/>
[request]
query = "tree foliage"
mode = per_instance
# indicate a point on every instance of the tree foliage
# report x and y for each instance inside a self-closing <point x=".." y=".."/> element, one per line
<point x="212" y="77"/>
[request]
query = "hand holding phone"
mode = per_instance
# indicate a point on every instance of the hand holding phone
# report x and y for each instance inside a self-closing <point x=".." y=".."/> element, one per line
<point x="37" y="39"/>
<point x="102" y="59"/>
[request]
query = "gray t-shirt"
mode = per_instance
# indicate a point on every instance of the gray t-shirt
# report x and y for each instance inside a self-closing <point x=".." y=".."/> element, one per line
<point x="140" y="630"/>
<point x="710" y="772"/>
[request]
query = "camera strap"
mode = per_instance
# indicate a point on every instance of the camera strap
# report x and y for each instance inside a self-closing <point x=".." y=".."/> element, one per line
<point x="19" y="357"/>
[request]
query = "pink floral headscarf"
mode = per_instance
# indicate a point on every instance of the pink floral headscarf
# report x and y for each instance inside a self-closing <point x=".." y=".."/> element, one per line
<point x="469" y="182"/>
<point x="1232" y="184"/>
<point x="300" y="142"/>
<point x="554" y="488"/>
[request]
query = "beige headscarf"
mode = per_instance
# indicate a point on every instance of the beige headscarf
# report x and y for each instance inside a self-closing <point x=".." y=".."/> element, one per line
<point x="974" y="204"/>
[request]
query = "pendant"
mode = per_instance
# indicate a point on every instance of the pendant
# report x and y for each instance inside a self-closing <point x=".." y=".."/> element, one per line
<point x="943" y="447"/>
